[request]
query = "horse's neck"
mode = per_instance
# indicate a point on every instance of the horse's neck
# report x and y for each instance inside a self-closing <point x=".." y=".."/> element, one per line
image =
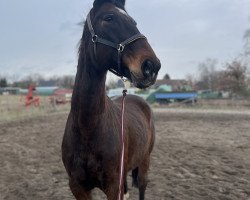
<point x="89" y="97"/>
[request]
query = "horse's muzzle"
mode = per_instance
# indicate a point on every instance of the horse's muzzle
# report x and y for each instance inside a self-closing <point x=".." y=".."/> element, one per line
<point x="149" y="72"/>
<point x="150" y="69"/>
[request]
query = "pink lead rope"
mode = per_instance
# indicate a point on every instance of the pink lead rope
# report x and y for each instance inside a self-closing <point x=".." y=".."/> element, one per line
<point x="120" y="195"/>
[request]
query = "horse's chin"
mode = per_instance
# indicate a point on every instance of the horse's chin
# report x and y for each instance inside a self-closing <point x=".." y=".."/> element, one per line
<point x="141" y="82"/>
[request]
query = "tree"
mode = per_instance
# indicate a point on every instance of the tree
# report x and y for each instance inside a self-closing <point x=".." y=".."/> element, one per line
<point x="112" y="84"/>
<point x="166" y="77"/>
<point x="190" y="80"/>
<point x="3" y="82"/>
<point x="235" y="78"/>
<point x="246" y="54"/>
<point x="28" y="80"/>
<point x="207" y="74"/>
<point x="25" y="83"/>
<point x="66" y="81"/>
<point x="247" y="42"/>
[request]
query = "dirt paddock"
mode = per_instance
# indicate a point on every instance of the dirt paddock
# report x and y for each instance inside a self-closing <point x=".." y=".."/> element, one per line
<point x="198" y="155"/>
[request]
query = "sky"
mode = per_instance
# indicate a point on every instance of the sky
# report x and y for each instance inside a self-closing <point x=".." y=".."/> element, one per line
<point x="43" y="36"/>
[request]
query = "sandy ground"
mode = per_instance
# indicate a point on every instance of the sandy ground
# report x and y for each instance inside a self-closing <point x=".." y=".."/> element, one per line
<point x="198" y="155"/>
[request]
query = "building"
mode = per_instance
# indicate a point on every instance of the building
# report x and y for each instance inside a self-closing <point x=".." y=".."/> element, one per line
<point x="175" y="84"/>
<point x="9" y="90"/>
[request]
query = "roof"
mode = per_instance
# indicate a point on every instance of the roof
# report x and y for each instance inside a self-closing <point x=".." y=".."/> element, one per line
<point x="9" y="88"/>
<point x="175" y="95"/>
<point x="45" y="90"/>
<point x="175" y="83"/>
<point x="62" y="91"/>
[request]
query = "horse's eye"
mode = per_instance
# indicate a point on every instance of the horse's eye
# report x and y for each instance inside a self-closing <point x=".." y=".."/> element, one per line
<point x="108" y="17"/>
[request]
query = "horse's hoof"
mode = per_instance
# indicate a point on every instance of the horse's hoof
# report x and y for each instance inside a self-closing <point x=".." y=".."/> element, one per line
<point x="126" y="196"/>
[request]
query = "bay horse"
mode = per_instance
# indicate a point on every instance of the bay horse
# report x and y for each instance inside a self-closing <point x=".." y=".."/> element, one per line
<point x="91" y="146"/>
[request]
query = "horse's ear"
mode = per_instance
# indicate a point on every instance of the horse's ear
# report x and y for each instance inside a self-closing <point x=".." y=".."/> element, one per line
<point x="122" y="2"/>
<point x="119" y="2"/>
<point x="100" y="2"/>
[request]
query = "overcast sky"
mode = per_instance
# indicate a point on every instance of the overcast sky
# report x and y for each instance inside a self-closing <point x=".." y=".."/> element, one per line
<point x="42" y="36"/>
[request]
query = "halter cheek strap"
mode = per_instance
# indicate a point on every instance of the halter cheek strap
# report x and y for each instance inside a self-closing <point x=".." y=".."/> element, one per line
<point x="119" y="47"/>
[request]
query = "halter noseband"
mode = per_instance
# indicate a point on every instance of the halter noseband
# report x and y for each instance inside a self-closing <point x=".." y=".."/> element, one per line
<point x="119" y="47"/>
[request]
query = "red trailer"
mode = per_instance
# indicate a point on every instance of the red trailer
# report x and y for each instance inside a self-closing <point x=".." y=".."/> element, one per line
<point x="61" y="96"/>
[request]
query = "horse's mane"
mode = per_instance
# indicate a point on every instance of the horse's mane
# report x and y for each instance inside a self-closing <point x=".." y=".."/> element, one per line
<point x="79" y="82"/>
<point x="82" y="45"/>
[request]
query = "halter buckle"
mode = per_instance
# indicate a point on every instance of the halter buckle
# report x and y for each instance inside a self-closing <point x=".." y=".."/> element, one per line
<point x="94" y="38"/>
<point x="124" y="79"/>
<point x="120" y="48"/>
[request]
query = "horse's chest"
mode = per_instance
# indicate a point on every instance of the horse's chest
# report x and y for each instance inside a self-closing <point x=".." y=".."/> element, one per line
<point x="93" y="162"/>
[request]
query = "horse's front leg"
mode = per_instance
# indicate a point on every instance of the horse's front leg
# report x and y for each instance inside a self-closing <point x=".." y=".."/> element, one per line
<point x="79" y="192"/>
<point x="143" y="178"/>
<point x="112" y="191"/>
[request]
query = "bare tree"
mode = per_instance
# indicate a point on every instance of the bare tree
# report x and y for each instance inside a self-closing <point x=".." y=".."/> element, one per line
<point x="235" y="78"/>
<point x="24" y="83"/>
<point x="11" y="78"/>
<point x="111" y="84"/>
<point x="190" y="80"/>
<point x="246" y="39"/>
<point x="66" y="81"/>
<point x="246" y="54"/>
<point x="247" y="42"/>
<point x="207" y="74"/>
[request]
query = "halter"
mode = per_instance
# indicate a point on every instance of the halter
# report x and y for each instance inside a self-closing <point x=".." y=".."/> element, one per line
<point x="119" y="47"/>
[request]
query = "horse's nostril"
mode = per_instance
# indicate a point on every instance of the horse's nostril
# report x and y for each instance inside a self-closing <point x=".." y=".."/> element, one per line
<point x="148" y="68"/>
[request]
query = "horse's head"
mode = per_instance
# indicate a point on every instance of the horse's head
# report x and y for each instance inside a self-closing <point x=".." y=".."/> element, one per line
<point x="112" y="27"/>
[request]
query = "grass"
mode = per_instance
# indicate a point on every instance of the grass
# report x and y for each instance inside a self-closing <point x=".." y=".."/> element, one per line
<point x="211" y="104"/>
<point x="13" y="108"/>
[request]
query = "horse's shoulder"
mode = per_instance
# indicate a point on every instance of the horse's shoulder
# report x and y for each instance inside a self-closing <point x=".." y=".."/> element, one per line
<point x="136" y="99"/>
<point x="138" y="103"/>
<point x="131" y="99"/>
<point x="135" y="105"/>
